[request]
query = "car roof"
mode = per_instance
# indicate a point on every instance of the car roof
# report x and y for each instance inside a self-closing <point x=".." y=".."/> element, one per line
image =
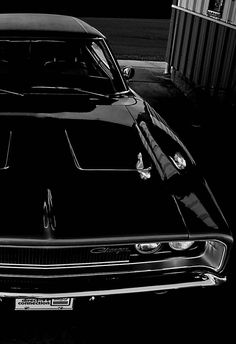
<point x="44" y="24"/>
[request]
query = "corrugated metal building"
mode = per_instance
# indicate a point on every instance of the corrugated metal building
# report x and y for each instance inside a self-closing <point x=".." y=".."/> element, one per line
<point x="201" y="50"/>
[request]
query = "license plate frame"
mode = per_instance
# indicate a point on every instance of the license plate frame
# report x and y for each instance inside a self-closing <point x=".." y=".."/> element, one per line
<point x="44" y="304"/>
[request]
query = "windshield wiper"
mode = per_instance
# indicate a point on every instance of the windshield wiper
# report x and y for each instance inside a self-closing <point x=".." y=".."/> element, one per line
<point x="77" y="89"/>
<point x="12" y="92"/>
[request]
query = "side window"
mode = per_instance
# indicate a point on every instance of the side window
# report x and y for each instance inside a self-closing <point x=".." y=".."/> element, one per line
<point x="101" y="59"/>
<point x="100" y="54"/>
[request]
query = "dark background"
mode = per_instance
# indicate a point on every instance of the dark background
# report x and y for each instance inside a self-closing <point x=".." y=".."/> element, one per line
<point x="121" y="8"/>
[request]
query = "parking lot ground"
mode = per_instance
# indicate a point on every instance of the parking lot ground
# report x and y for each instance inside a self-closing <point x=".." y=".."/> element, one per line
<point x="154" y="85"/>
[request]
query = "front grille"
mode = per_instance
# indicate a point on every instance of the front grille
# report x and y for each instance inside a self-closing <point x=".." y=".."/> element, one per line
<point x="62" y="255"/>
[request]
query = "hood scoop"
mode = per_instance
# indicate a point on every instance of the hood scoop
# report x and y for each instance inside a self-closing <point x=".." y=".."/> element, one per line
<point x="103" y="146"/>
<point x="48" y="146"/>
<point x="38" y="149"/>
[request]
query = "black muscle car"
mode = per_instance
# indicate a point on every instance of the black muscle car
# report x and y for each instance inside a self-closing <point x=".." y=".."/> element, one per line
<point x="98" y="195"/>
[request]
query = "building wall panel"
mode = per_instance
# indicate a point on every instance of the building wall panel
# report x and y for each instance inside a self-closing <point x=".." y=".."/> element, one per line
<point x="203" y="50"/>
<point x="171" y="46"/>
<point x="205" y="7"/>
<point x="195" y="5"/>
<point x="202" y="6"/>
<point x="185" y="43"/>
<point x="208" y="57"/>
<point x="171" y="36"/>
<point x="191" y="5"/>
<point x="232" y="13"/>
<point x="199" y="6"/>
<point x="179" y="39"/>
<point x="183" y="3"/>
<point x="218" y="61"/>
<point x="193" y="47"/>
<point x="226" y="10"/>
<point x="229" y="61"/>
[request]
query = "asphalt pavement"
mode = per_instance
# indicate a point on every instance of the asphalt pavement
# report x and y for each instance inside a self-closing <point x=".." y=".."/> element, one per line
<point x="184" y="315"/>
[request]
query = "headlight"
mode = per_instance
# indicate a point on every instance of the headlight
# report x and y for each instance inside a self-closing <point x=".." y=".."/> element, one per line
<point x="180" y="245"/>
<point x="147" y="248"/>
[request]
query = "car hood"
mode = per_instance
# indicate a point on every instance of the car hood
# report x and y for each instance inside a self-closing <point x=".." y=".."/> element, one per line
<point x="73" y="175"/>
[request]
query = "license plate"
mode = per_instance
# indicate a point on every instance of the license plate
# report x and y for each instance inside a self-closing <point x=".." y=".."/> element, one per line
<point x="36" y="304"/>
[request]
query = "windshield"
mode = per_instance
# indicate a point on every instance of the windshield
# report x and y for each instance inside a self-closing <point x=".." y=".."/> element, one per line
<point x="85" y="64"/>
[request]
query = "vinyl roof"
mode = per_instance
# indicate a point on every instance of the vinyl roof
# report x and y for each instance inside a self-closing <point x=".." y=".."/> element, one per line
<point x="35" y="24"/>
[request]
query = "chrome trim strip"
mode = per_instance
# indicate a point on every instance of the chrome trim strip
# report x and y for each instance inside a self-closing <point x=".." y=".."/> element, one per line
<point x="116" y="64"/>
<point x="137" y="268"/>
<point x="150" y="265"/>
<point x="79" y="167"/>
<point x="65" y="266"/>
<point x="179" y="211"/>
<point x="200" y="281"/>
<point x="65" y="246"/>
<point x="6" y="165"/>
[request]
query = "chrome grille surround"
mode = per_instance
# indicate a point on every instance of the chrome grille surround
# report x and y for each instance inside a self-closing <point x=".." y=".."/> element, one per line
<point x="113" y="259"/>
<point x="108" y="270"/>
<point x="60" y="255"/>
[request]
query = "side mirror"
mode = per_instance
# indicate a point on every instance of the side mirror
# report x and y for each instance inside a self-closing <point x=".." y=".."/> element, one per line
<point x="128" y="72"/>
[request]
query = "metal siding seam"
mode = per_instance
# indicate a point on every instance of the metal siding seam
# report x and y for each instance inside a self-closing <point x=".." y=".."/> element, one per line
<point x="232" y="74"/>
<point x="171" y="36"/>
<point x="229" y="59"/>
<point x="232" y="13"/>
<point x="205" y="7"/>
<point x="198" y="6"/>
<point x="229" y="19"/>
<point x="193" y="47"/>
<point x="194" y="5"/>
<point x="191" y="4"/>
<point x="232" y="94"/>
<point x="226" y="9"/>
<point x="201" y="5"/>
<point x="186" y="43"/>
<point x="209" y="55"/>
<point x="200" y="51"/>
<point x="220" y="53"/>
<point x="173" y="48"/>
<point x="179" y="40"/>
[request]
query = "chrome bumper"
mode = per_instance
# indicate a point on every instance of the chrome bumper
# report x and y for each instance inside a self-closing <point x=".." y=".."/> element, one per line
<point x="197" y="280"/>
